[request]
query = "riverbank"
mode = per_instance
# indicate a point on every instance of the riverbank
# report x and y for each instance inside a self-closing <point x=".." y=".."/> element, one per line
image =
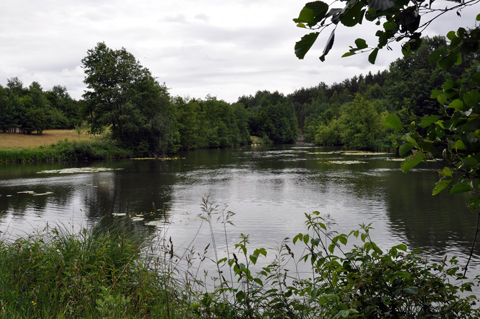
<point x="65" y="145"/>
<point x="113" y="273"/>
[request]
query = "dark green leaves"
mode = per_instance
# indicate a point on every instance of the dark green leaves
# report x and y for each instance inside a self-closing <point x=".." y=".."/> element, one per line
<point x="302" y="46"/>
<point x="459" y="188"/>
<point x="429" y="120"/>
<point x="440" y="186"/>
<point x="393" y="121"/>
<point x="373" y="56"/>
<point x="312" y="13"/>
<point x="412" y="161"/>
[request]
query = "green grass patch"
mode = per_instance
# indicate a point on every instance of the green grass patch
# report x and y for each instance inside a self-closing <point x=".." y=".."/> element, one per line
<point x="65" y="151"/>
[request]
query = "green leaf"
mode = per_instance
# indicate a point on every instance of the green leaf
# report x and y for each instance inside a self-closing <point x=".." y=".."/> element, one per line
<point x="404" y="148"/>
<point x="473" y="204"/>
<point x="469" y="162"/>
<point x="412" y="161"/>
<point x="459" y="145"/>
<point x="319" y="9"/>
<point x="440" y="186"/>
<point x="410" y="140"/>
<point x="471" y="98"/>
<point x="435" y="93"/>
<point x="442" y="99"/>
<point x="393" y="121"/>
<point x="301" y="25"/>
<point x="446" y="172"/>
<point x="411" y="290"/>
<point x="456" y="104"/>
<point x="447" y="61"/>
<point x="361" y="43"/>
<point x="348" y="54"/>
<point x="478" y="17"/>
<point x="353" y="15"/>
<point x="435" y="56"/>
<point x="373" y="56"/>
<point x="305" y="43"/>
<point x="459" y="188"/>
<point x="306" y="16"/>
<point x="389" y="25"/>
<point x="429" y="120"/>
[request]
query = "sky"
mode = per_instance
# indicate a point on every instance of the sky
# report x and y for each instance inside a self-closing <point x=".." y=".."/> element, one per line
<point x="222" y="48"/>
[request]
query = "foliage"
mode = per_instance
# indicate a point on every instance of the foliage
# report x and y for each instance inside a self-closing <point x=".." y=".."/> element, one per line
<point x="65" y="151"/>
<point x="362" y="281"/>
<point x="91" y="274"/>
<point x="368" y="282"/>
<point x="126" y="97"/>
<point x="402" y="21"/>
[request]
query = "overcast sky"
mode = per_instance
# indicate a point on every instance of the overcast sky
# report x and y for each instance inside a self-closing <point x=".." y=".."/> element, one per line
<point x="225" y="48"/>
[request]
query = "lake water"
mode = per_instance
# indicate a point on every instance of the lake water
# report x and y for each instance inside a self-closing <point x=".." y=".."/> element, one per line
<point x="269" y="188"/>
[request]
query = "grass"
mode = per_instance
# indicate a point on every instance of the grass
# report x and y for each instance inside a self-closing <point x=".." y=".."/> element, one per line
<point x="114" y="273"/>
<point x="48" y="137"/>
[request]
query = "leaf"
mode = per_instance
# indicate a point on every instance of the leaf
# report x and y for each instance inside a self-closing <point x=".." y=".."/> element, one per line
<point x="459" y="188"/>
<point x="319" y="9"/>
<point x="328" y="46"/>
<point x="389" y="25"/>
<point x="473" y="204"/>
<point x="361" y="43"/>
<point x="404" y="148"/>
<point x="471" y="98"/>
<point x="353" y="15"/>
<point x="411" y="290"/>
<point x="435" y="56"/>
<point x="410" y="140"/>
<point x="429" y="120"/>
<point x="459" y="145"/>
<point x="306" y="16"/>
<point x="373" y="56"/>
<point x="379" y="5"/>
<point x="348" y="54"/>
<point x="393" y="121"/>
<point x="456" y="104"/>
<point x="446" y="172"/>
<point x="305" y="43"/>
<point x="412" y="161"/>
<point x="440" y="186"/>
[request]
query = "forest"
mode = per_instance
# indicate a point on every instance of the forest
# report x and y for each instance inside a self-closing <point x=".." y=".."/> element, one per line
<point x="144" y="118"/>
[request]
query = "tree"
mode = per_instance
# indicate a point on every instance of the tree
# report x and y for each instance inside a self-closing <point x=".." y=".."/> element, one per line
<point x="124" y="96"/>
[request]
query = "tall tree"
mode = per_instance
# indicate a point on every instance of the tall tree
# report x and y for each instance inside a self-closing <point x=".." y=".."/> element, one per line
<point x="124" y="96"/>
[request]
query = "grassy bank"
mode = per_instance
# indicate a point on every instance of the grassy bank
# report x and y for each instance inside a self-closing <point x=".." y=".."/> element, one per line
<point x="48" y="137"/>
<point x="65" y="151"/>
<point x="111" y="273"/>
<point x="93" y="274"/>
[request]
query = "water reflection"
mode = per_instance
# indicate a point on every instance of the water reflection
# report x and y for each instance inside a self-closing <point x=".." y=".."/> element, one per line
<point x="270" y="189"/>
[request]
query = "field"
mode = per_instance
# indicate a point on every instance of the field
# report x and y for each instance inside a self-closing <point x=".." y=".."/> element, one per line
<point x="48" y="137"/>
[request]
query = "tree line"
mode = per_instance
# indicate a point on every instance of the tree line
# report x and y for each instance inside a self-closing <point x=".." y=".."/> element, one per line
<point x="142" y="116"/>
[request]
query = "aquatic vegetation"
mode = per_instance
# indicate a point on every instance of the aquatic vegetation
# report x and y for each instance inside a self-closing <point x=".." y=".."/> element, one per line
<point x="76" y="170"/>
<point x="344" y="162"/>
<point x="158" y="158"/>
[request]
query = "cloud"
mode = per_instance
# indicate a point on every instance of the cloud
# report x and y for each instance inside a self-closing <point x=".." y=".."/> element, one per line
<point x="222" y="48"/>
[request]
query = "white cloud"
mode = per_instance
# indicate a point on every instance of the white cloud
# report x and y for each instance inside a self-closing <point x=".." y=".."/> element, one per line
<point x="222" y="48"/>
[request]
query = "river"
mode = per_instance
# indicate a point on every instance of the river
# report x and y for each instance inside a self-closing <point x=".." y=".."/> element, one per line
<point x="269" y="188"/>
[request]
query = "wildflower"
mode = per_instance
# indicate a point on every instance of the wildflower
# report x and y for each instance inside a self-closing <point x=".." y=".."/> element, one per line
<point x="34" y="303"/>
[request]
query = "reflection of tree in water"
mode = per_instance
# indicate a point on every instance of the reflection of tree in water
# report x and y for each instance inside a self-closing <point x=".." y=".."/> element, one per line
<point x="144" y="188"/>
<point x="436" y="223"/>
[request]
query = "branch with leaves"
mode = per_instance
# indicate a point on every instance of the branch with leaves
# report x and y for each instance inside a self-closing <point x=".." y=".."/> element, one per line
<point x="401" y="21"/>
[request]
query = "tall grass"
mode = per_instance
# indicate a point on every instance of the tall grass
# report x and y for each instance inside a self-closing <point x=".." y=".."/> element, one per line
<point x="92" y="274"/>
<point x="65" y="151"/>
<point x="113" y="273"/>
